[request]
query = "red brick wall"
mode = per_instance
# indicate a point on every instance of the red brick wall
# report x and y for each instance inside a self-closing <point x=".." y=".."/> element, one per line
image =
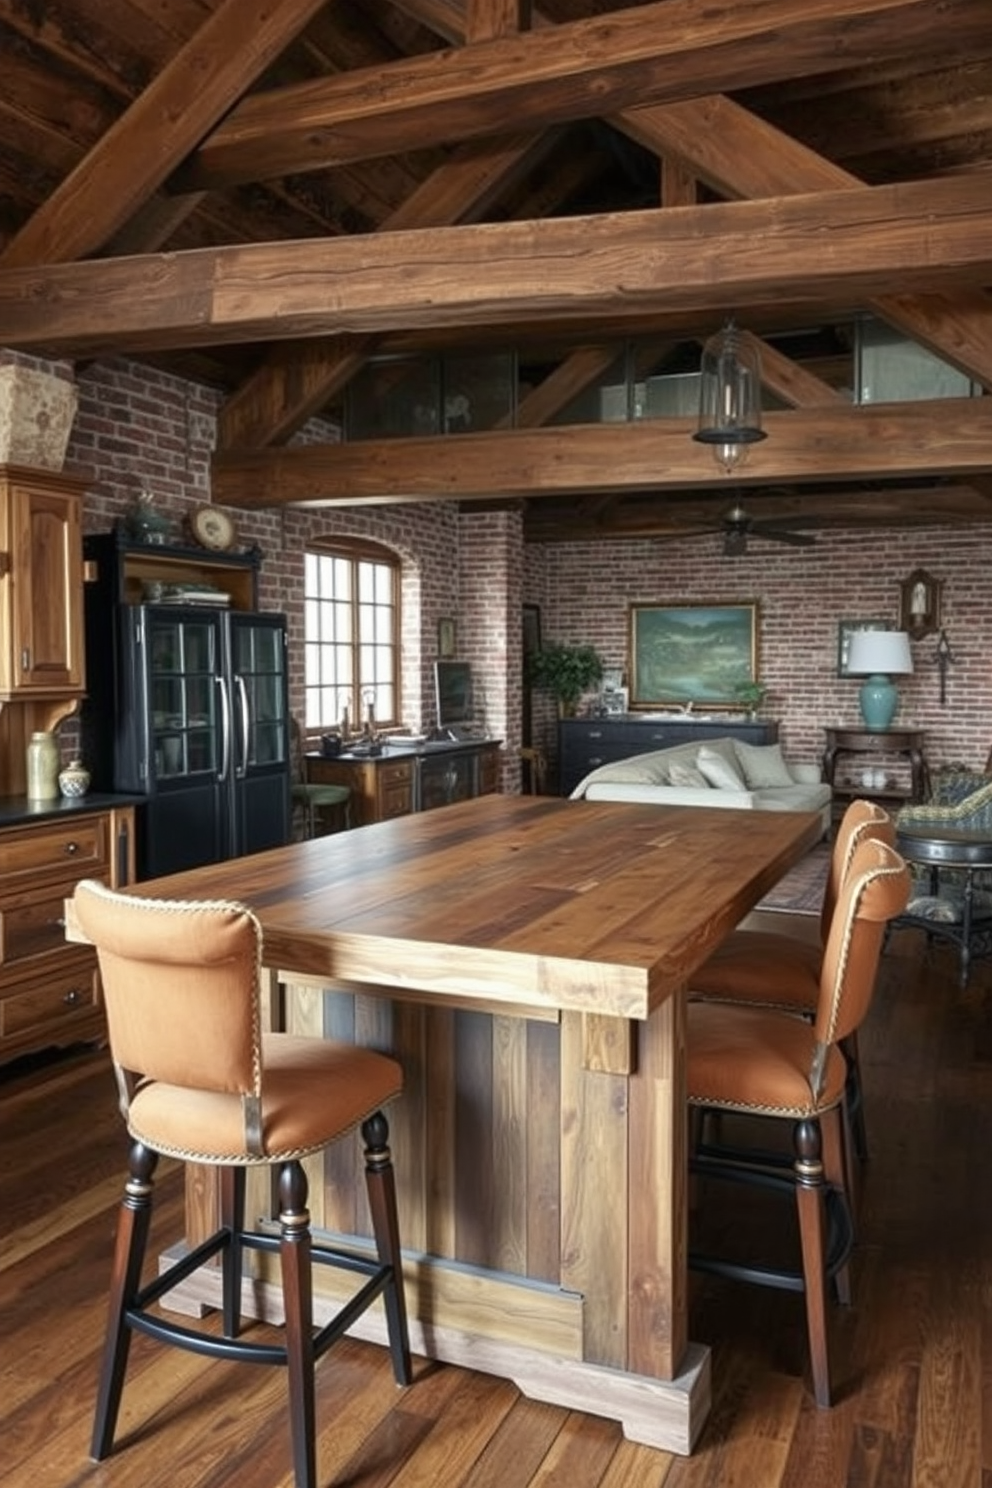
<point x="585" y="591"/>
<point x="141" y="429"/>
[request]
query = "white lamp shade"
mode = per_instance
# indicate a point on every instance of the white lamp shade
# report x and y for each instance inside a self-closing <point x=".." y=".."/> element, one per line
<point x="879" y="651"/>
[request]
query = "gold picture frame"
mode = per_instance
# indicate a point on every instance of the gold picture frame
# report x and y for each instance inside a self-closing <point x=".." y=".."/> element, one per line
<point x="692" y="653"/>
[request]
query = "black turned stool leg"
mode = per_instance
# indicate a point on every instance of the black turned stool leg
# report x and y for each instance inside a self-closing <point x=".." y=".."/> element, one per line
<point x="297" y="1286"/>
<point x="133" y="1224"/>
<point x="381" y="1184"/>
<point x="232" y="1218"/>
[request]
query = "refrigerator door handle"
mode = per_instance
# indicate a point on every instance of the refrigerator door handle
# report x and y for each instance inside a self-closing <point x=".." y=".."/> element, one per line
<point x="225" y="729"/>
<point x="241" y="766"/>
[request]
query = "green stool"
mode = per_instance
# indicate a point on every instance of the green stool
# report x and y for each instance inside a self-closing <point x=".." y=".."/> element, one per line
<point x="317" y="798"/>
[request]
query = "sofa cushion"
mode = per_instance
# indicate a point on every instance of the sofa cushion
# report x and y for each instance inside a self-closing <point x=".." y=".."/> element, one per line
<point x="682" y="774"/>
<point x="762" y="765"/>
<point x="718" y="770"/>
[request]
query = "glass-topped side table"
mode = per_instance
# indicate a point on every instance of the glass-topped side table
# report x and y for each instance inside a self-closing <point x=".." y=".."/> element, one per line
<point x="954" y="909"/>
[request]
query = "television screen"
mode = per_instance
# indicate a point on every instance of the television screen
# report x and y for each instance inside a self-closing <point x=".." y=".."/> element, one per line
<point x="453" y="691"/>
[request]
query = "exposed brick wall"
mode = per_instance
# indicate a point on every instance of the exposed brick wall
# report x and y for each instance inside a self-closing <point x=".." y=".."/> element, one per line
<point x="141" y="429"/>
<point x="585" y="591"/>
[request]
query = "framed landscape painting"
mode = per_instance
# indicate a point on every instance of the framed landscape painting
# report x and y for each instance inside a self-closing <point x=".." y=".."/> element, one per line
<point x="692" y="653"/>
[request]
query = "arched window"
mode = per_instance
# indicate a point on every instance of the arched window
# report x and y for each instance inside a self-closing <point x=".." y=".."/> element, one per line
<point x="351" y="593"/>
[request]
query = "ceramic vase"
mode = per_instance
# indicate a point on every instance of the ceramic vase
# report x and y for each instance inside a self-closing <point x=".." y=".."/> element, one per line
<point x="74" y="780"/>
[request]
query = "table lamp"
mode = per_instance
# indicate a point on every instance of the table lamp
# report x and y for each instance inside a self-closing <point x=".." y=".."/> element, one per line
<point x="878" y="656"/>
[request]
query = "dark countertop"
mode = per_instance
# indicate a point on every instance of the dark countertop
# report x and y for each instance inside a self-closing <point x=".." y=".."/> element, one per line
<point x="403" y="751"/>
<point x="16" y="810"/>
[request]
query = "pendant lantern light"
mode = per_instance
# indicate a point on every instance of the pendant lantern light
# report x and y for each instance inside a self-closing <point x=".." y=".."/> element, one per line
<point x="730" y="397"/>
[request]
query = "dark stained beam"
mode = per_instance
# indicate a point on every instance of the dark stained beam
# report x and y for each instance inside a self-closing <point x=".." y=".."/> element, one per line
<point x="946" y="436"/>
<point x="232" y="47"/>
<point x="658" y="52"/>
<point x="926" y="234"/>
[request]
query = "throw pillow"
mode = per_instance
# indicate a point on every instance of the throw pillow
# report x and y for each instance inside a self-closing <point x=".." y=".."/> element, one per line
<point x="763" y="765"/>
<point x="717" y="771"/>
<point x="679" y="774"/>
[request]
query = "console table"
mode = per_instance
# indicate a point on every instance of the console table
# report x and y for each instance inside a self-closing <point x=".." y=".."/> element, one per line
<point x="586" y="743"/>
<point x="949" y="913"/>
<point x="906" y="743"/>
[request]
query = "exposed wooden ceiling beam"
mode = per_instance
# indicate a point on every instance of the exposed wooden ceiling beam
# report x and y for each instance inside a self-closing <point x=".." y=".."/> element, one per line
<point x="666" y="516"/>
<point x="667" y="50"/>
<point x="134" y="157"/>
<point x="299" y="378"/>
<point x="743" y="157"/>
<point x="946" y="436"/>
<point x="926" y="233"/>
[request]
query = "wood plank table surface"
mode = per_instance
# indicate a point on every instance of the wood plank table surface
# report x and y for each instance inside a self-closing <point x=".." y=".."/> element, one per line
<point x="525" y="959"/>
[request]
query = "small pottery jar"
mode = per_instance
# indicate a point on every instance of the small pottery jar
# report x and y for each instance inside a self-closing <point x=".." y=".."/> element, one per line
<point x="74" y="780"/>
<point x="42" y="767"/>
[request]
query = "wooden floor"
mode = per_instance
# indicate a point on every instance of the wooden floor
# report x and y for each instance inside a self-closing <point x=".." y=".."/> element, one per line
<point x="913" y="1356"/>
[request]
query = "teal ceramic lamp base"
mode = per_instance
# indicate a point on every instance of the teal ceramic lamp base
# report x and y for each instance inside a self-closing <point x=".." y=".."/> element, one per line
<point x="879" y="701"/>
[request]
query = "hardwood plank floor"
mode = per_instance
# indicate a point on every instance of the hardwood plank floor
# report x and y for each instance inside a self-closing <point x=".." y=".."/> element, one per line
<point x="912" y="1356"/>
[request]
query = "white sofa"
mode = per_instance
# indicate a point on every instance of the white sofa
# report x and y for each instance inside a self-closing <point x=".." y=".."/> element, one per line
<point x="712" y="772"/>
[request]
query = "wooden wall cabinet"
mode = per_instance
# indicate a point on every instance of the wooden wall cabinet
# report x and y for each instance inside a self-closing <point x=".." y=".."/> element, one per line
<point x="49" y="989"/>
<point x="41" y="584"/>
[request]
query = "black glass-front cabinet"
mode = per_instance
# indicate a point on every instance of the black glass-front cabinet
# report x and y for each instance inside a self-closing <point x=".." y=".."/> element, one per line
<point x="193" y="715"/>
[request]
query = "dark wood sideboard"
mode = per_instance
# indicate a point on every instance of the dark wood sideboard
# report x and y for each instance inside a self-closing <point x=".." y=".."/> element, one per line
<point x="399" y="780"/>
<point x="586" y="743"/>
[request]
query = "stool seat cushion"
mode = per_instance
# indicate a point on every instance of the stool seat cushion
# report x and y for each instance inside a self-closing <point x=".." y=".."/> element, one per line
<point x="756" y="1059"/>
<point x="322" y="795"/>
<point x="763" y="967"/>
<point x="312" y="1090"/>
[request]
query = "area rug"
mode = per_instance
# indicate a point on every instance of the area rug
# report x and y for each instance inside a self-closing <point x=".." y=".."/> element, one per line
<point x="801" y="890"/>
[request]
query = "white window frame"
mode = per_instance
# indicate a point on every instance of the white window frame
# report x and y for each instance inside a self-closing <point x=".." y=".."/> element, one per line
<point x="351" y="608"/>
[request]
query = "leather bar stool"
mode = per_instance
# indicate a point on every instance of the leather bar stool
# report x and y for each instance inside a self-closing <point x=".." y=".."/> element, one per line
<point x="200" y="1081"/>
<point x="768" y="968"/>
<point x="763" y="1062"/>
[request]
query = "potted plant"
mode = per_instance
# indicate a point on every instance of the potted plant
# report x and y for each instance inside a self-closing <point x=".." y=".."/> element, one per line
<point x="752" y="695"/>
<point x="566" y="672"/>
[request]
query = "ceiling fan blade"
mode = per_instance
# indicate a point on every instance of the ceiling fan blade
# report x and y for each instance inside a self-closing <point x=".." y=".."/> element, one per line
<point x="778" y="534"/>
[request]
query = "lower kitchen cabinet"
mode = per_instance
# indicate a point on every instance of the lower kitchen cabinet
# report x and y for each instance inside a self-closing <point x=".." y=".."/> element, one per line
<point x="49" y="988"/>
<point x="399" y="781"/>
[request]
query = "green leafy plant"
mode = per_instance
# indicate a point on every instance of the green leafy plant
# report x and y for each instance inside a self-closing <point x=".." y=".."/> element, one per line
<point x="751" y="694"/>
<point x="565" y="671"/>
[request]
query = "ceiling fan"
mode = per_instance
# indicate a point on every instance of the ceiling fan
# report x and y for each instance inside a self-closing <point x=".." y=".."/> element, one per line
<point x="737" y="526"/>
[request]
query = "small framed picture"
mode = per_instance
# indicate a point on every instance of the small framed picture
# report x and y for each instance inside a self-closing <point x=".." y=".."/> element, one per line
<point x="845" y="629"/>
<point x="446" y="637"/>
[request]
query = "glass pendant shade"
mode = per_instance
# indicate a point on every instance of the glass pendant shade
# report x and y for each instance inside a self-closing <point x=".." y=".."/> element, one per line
<point x="878" y="655"/>
<point x="730" y="397"/>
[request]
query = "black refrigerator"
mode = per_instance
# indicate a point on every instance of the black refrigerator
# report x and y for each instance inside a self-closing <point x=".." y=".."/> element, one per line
<point x="190" y="710"/>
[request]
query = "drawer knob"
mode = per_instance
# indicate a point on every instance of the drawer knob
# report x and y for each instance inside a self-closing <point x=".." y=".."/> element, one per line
<point x="72" y="849"/>
<point x="73" y="997"/>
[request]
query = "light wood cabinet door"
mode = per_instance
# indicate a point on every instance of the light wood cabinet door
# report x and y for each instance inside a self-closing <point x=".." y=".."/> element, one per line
<point x="41" y="584"/>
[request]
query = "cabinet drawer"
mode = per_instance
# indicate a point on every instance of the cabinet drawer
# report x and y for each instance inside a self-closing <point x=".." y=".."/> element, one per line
<point x="68" y="994"/>
<point x="81" y="845"/>
<point x="394" y="789"/>
<point x="32" y="924"/>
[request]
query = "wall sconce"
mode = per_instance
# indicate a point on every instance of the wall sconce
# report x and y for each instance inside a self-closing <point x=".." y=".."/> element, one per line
<point x="920" y="614"/>
<point x="730" y="397"/>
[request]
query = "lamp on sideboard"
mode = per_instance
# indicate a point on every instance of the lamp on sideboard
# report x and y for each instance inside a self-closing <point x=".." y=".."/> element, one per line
<point x="878" y="656"/>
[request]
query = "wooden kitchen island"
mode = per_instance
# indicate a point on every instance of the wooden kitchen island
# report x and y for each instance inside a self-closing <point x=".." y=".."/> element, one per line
<point x="524" y="959"/>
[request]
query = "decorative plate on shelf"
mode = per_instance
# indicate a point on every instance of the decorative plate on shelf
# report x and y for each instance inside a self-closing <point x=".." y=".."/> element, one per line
<point x="212" y="528"/>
